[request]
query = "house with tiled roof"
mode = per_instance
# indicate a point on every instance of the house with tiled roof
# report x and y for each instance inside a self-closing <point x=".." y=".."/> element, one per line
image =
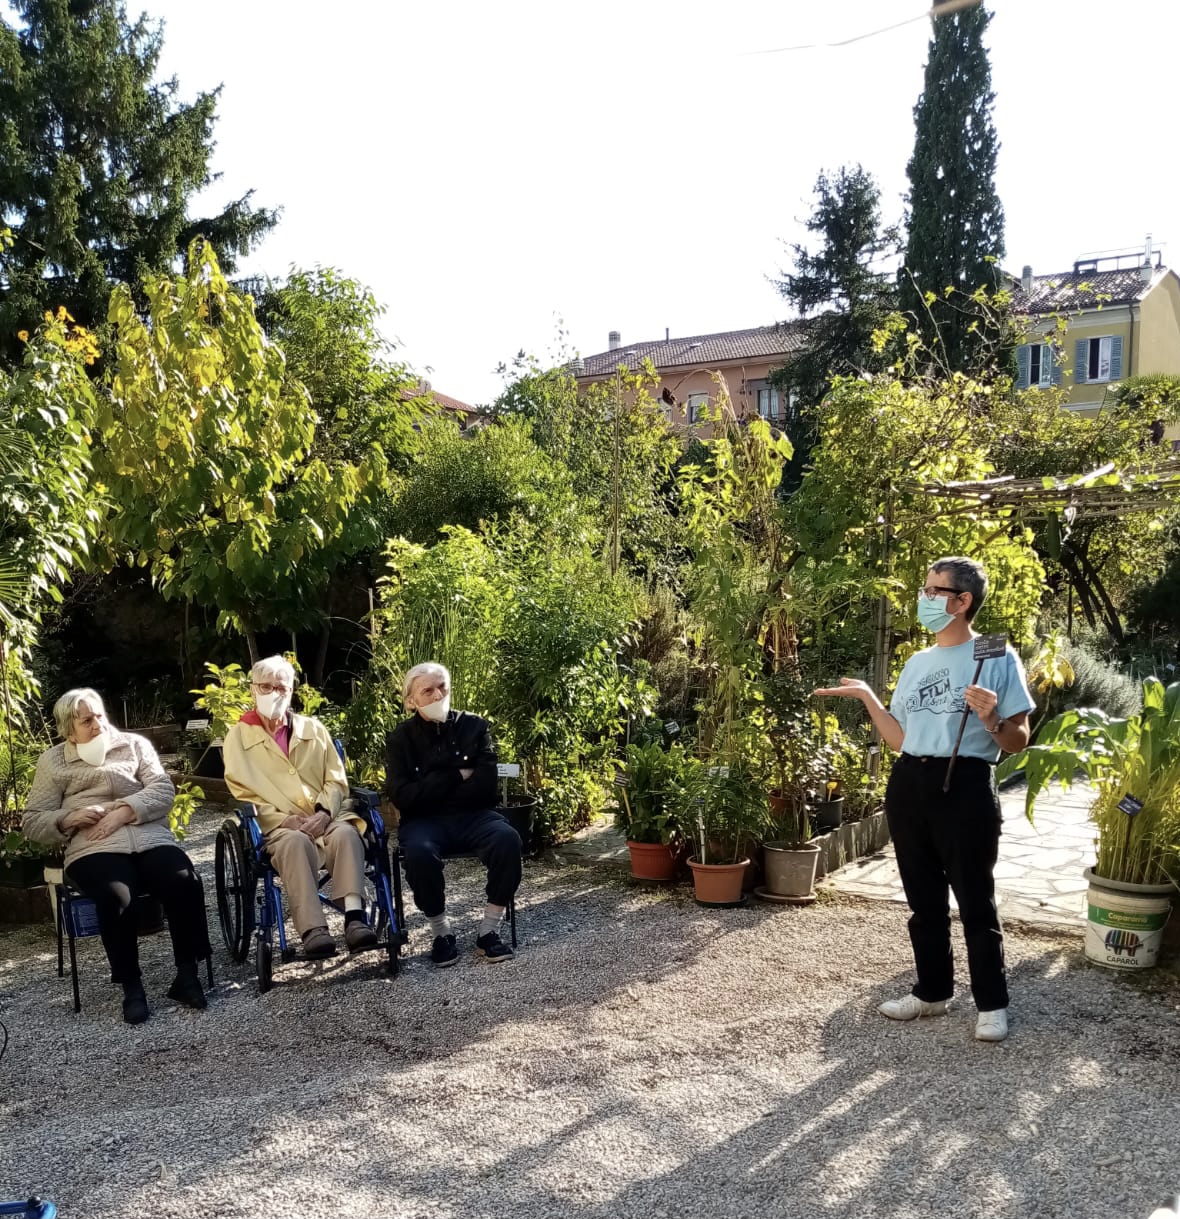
<point x="434" y="402"/>
<point x="1122" y="315"/>
<point x="687" y="366"/>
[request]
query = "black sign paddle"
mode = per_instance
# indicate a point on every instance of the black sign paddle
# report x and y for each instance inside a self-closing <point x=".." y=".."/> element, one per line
<point x="987" y="647"/>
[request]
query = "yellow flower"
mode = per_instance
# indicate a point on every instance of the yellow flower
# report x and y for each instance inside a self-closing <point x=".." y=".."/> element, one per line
<point x="23" y="335"/>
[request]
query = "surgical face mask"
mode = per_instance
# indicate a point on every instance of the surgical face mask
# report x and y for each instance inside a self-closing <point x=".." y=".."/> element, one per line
<point x="94" y="751"/>
<point x="933" y="615"/>
<point x="436" y="711"/>
<point x="273" y="705"/>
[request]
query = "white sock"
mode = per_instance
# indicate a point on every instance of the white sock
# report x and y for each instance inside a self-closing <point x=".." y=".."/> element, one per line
<point x="440" y="924"/>
<point x="491" y="919"/>
<point x="353" y="902"/>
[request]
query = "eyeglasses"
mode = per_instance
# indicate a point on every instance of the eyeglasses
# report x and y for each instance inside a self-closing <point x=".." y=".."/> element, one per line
<point x="939" y="590"/>
<point x="264" y="687"/>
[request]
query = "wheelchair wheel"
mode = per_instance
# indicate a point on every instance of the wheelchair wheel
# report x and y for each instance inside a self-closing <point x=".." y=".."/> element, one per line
<point x="234" y="868"/>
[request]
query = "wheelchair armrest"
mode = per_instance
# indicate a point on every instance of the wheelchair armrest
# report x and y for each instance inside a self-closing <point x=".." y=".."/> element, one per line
<point x="367" y="804"/>
<point x="246" y="811"/>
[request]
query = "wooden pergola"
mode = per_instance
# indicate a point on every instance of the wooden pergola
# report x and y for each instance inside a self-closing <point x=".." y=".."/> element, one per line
<point x="1104" y="492"/>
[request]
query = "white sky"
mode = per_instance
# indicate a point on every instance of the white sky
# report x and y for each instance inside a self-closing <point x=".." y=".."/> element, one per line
<point x="488" y="168"/>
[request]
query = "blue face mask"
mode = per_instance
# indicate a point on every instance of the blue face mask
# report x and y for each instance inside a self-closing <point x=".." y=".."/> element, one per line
<point x="933" y="615"/>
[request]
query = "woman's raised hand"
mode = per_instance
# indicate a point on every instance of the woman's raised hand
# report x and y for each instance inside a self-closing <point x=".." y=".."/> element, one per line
<point x="849" y="687"/>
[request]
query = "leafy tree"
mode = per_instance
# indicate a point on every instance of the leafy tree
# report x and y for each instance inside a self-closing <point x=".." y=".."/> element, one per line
<point x="326" y="325"/>
<point x="49" y="508"/>
<point x="481" y="480"/>
<point x="206" y="451"/>
<point x="844" y="280"/>
<point x="956" y="222"/>
<point x="98" y="162"/>
<point x="615" y="442"/>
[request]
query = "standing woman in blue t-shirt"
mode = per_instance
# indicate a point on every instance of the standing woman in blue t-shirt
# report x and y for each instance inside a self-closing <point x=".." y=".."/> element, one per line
<point x="950" y="840"/>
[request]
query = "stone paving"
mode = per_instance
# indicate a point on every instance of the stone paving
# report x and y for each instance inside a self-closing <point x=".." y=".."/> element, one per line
<point x="1039" y="874"/>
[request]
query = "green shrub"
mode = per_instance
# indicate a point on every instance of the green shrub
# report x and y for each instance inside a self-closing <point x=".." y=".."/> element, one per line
<point x="1097" y="683"/>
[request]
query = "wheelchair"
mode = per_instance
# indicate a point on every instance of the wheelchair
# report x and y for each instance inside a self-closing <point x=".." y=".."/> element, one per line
<point x="250" y="903"/>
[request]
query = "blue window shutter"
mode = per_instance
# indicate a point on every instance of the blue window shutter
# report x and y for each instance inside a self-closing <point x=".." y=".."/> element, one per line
<point x="1116" y="358"/>
<point x="1022" y="365"/>
<point x="1055" y="357"/>
<point x="1081" y="362"/>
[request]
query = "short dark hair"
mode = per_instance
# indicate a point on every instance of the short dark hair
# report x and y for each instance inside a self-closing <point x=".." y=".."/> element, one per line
<point x="968" y="576"/>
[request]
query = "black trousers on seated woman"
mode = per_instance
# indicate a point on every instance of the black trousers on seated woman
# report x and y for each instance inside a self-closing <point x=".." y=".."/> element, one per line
<point x="112" y="880"/>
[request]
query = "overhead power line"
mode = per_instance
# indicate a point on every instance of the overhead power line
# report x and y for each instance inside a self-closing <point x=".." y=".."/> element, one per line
<point x="943" y="9"/>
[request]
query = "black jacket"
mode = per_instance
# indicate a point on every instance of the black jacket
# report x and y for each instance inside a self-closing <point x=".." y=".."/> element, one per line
<point x="423" y="760"/>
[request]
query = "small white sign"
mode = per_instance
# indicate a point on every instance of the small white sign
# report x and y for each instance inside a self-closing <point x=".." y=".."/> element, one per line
<point x="720" y="772"/>
<point x="196" y="725"/>
<point x="508" y="770"/>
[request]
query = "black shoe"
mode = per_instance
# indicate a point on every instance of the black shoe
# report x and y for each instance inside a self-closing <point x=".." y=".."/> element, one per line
<point x="187" y="989"/>
<point x="318" y="944"/>
<point x="358" y="935"/>
<point x="444" y="951"/>
<point x="492" y="948"/>
<point x="135" y="1008"/>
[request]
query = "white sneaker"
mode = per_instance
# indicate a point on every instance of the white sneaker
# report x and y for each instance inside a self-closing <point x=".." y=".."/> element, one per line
<point x="910" y="1007"/>
<point x="992" y="1026"/>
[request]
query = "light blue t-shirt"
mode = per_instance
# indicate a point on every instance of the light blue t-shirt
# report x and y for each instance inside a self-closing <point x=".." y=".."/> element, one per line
<point x="929" y="704"/>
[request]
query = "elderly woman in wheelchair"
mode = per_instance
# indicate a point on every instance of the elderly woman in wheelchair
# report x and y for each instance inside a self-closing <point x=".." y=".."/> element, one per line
<point x="104" y="795"/>
<point x="287" y="767"/>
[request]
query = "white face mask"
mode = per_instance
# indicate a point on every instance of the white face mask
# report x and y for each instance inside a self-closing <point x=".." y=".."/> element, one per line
<point x="273" y="705"/>
<point x="94" y="751"/>
<point x="436" y="711"/>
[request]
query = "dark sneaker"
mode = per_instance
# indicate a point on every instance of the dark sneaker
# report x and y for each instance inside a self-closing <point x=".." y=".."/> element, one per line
<point x="359" y="936"/>
<point x="317" y="944"/>
<point x="444" y="951"/>
<point x="492" y="948"/>
<point x="135" y="1008"/>
<point x="187" y="990"/>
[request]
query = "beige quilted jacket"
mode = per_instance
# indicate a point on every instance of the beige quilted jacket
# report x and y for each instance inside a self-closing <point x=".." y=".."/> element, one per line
<point x="131" y="774"/>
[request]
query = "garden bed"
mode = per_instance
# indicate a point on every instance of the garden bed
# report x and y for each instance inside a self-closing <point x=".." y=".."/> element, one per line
<point x="853" y="840"/>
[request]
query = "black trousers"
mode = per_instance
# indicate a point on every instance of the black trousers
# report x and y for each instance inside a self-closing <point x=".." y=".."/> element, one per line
<point x="113" y="879"/>
<point x="426" y="841"/>
<point x="949" y="841"/>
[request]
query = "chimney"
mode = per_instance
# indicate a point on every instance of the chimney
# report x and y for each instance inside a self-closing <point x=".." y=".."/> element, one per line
<point x="1147" y="269"/>
<point x="615" y="339"/>
<point x="1026" y="278"/>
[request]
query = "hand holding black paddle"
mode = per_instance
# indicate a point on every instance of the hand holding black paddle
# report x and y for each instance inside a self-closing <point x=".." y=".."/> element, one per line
<point x="987" y="647"/>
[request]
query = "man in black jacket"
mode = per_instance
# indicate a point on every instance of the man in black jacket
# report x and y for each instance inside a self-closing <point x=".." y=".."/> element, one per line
<point x="440" y="772"/>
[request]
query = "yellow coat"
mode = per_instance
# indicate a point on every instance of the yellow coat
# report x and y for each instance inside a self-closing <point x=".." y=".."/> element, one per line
<point x="284" y="786"/>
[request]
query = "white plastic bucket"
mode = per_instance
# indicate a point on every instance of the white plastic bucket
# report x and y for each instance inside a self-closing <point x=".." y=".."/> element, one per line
<point x="1123" y="930"/>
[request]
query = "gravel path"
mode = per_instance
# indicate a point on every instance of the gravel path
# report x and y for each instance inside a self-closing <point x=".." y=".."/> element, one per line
<point x="642" y="1057"/>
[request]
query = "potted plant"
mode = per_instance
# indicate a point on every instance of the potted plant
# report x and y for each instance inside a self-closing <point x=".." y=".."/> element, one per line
<point x="1134" y="764"/>
<point x="651" y="798"/>
<point x="227" y="698"/>
<point x="730" y="820"/>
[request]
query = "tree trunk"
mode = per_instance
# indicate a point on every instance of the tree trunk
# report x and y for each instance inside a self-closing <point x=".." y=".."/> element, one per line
<point x="321" y="654"/>
<point x="252" y="644"/>
<point x="1110" y="615"/>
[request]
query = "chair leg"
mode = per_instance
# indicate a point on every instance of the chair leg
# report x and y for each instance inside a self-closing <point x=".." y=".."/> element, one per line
<point x="209" y="970"/>
<point x="61" y="969"/>
<point x="512" y="918"/>
<point x="74" y="967"/>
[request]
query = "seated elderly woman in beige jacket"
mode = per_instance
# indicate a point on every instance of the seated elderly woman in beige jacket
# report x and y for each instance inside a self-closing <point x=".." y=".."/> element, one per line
<point x="287" y="767"/>
<point x="104" y="794"/>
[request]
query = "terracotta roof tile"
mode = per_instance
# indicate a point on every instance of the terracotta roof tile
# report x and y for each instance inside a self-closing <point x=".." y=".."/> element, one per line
<point x="759" y="343"/>
<point x="1065" y="292"/>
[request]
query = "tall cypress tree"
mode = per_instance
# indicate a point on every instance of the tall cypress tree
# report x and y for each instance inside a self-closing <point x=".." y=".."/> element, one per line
<point x="98" y="162"/>
<point x="956" y="222"/>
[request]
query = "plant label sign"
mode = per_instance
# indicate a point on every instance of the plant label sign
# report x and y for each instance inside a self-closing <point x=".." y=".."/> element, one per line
<point x="620" y="779"/>
<point x="672" y="728"/>
<point x="719" y="772"/>
<point x="1131" y="806"/>
<point x="508" y="770"/>
<point x="196" y="725"/>
<point x="989" y="647"/>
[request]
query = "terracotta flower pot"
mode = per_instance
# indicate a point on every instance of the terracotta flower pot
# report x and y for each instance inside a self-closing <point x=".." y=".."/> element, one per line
<point x="718" y="884"/>
<point x="651" y="860"/>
